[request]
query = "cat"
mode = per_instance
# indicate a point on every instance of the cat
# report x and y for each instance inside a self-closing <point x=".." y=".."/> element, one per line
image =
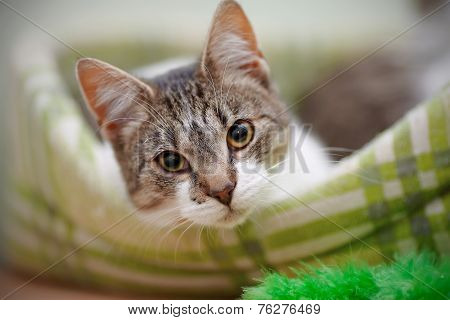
<point x="209" y="141"/>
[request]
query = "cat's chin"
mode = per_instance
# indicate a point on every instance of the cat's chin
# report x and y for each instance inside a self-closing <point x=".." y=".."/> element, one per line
<point x="231" y="219"/>
<point x="224" y="217"/>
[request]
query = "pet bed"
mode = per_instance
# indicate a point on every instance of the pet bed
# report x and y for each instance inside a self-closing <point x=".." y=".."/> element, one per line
<point x="68" y="207"/>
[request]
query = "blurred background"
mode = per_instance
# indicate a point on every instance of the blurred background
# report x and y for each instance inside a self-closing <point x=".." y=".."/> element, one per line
<point x="406" y="57"/>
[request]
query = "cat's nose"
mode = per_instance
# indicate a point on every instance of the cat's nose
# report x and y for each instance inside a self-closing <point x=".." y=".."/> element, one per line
<point x="224" y="194"/>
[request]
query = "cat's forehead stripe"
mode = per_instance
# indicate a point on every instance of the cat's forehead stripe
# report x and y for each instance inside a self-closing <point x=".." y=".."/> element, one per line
<point x="197" y="115"/>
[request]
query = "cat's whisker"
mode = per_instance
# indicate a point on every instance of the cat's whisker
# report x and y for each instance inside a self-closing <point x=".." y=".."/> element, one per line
<point x="277" y="164"/>
<point x="179" y="239"/>
<point x="223" y="233"/>
<point x="221" y="84"/>
<point x="123" y="234"/>
<point x="212" y="84"/>
<point x="272" y="206"/>
<point x="157" y="228"/>
<point x="161" y="216"/>
<point x="104" y="124"/>
<point x="336" y="155"/>
<point x="360" y="169"/>
<point x="124" y="229"/>
<point x="146" y="105"/>
<point x="136" y="234"/>
<point x="274" y="175"/>
<point x="276" y="210"/>
<point x="338" y="149"/>
<point x="368" y="179"/>
<point x="142" y="103"/>
<point x="208" y="233"/>
<point x="239" y="229"/>
<point x="362" y="176"/>
<point x="229" y="87"/>
<point x="256" y="223"/>
<point x="180" y="223"/>
<point x="200" y="240"/>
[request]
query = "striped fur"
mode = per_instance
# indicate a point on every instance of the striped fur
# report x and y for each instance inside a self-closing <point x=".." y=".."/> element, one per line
<point x="190" y="110"/>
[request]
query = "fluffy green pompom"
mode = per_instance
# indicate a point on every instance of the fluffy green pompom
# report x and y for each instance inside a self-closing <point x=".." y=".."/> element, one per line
<point x="415" y="276"/>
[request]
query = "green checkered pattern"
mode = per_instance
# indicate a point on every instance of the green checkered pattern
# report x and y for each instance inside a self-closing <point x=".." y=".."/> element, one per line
<point x="394" y="194"/>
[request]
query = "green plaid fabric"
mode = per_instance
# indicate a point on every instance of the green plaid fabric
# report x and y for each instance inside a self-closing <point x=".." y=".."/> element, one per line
<point x="66" y="194"/>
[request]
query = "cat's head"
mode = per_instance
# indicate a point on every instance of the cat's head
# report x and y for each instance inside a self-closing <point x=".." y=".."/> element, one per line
<point x="201" y="138"/>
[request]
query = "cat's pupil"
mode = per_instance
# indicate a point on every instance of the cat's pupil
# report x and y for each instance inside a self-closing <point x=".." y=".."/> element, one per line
<point x="172" y="160"/>
<point x="239" y="132"/>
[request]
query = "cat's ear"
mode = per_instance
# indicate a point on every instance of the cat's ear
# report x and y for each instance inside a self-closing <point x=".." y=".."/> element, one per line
<point x="116" y="98"/>
<point x="232" y="47"/>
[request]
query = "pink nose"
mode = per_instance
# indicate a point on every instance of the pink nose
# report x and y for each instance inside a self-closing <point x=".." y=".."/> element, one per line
<point x="225" y="194"/>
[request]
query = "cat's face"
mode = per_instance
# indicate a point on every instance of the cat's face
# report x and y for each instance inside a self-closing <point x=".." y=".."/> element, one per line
<point x="199" y="139"/>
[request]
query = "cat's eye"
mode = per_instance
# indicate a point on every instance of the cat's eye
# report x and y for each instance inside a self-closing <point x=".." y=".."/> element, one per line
<point x="240" y="134"/>
<point x="172" y="161"/>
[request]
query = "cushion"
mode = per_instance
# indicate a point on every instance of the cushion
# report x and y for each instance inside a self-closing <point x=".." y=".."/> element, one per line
<point x="68" y="206"/>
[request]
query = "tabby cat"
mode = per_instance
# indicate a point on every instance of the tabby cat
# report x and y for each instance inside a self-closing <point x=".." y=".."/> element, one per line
<point x="210" y="141"/>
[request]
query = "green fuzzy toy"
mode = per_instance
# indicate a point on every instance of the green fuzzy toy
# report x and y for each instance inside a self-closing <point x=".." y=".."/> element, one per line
<point x="415" y="276"/>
